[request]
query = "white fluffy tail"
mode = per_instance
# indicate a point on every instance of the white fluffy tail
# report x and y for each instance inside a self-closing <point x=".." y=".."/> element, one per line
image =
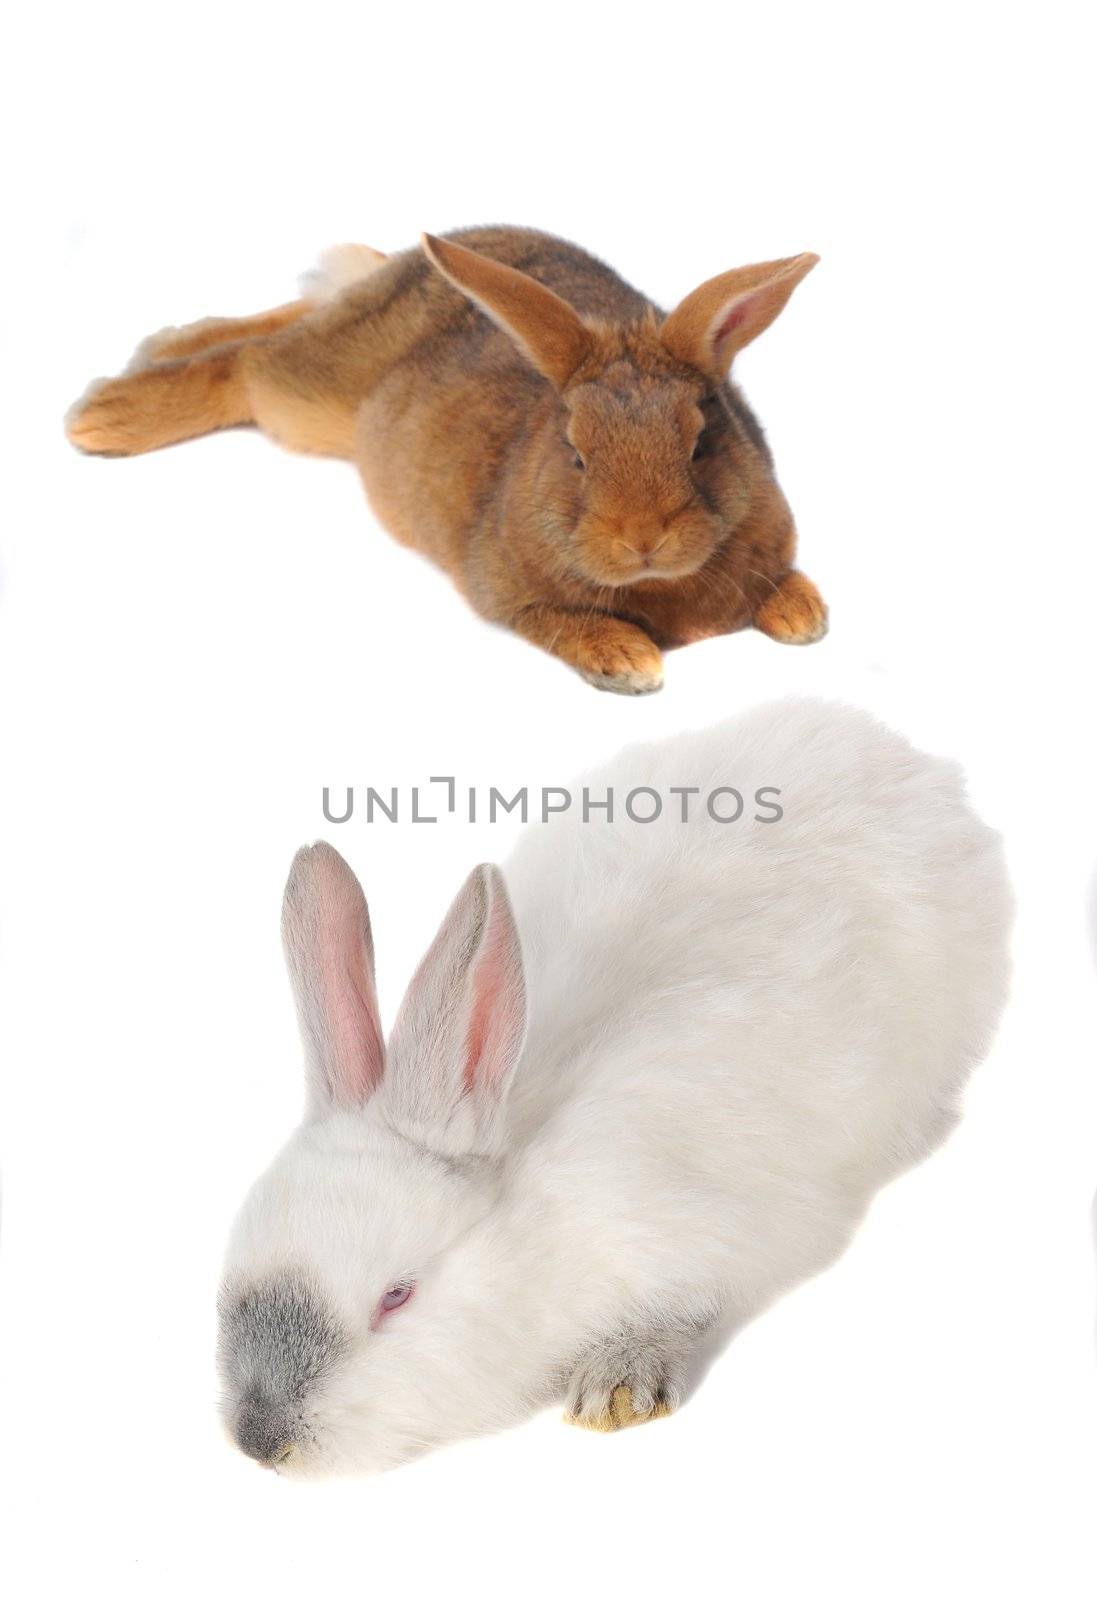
<point x="338" y="268"/>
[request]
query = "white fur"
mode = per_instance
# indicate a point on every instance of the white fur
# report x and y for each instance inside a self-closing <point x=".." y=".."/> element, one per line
<point x="737" y="1033"/>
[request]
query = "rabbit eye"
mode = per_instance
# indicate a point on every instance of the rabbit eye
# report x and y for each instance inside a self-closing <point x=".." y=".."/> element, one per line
<point x="398" y="1295"/>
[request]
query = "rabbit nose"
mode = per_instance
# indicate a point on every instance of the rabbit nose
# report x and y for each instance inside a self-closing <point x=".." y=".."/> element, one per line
<point x="262" y="1433"/>
<point x="646" y="546"/>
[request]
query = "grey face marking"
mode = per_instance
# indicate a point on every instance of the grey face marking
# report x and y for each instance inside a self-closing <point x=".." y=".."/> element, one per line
<point x="278" y="1341"/>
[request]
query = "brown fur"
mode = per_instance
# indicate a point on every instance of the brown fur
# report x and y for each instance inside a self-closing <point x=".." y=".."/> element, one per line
<point x="543" y="453"/>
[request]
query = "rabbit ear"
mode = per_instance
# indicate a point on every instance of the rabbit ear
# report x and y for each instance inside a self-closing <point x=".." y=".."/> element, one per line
<point x="460" y="1029"/>
<point x="727" y="312"/>
<point x="549" y="332"/>
<point x="329" y="952"/>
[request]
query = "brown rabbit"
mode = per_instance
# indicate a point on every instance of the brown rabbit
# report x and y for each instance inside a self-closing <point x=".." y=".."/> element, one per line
<point x="575" y="459"/>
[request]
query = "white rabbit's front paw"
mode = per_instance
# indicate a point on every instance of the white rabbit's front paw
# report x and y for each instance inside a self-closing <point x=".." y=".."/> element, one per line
<point x="626" y="1380"/>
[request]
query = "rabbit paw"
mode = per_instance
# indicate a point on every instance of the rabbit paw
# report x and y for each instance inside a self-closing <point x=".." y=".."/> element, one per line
<point x="625" y="1382"/>
<point x="607" y="651"/>
<point x="623" y="660"/>
<point x="98" y="422"/>
<point x="794" y="613"/>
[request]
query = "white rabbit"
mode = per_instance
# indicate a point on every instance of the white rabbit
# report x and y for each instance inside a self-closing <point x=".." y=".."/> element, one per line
<point x="620" y="1109"/>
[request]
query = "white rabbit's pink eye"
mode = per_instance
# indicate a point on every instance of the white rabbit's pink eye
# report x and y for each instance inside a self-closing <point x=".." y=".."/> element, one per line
<point x="398" y="1295"/>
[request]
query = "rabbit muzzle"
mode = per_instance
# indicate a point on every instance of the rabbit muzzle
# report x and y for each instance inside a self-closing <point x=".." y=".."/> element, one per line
<point x="622" y="550"/>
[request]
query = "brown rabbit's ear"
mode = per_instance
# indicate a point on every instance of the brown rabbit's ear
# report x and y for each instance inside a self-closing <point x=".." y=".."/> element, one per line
<point x="549" y="332"/>
<point x="727" y="312"/>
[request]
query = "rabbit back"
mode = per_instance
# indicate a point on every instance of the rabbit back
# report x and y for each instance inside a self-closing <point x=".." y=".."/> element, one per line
<point x="802" y="996"/>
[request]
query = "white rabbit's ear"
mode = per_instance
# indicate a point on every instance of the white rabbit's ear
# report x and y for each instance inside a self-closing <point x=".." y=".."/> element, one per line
<point x="460" y="1029"/>
<point x="549" y="332"/>
<point x="727" y="312"/>
<point x="329" y="953"/>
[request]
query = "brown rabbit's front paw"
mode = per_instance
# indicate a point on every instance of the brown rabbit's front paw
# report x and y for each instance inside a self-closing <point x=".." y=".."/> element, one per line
<point x="621" y="659"/>
<point x="606" y="651"/>
<point x="795" y="613"/>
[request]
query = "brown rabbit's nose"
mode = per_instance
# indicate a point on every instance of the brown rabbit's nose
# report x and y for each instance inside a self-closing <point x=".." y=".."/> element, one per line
<point x="646" y="546"/>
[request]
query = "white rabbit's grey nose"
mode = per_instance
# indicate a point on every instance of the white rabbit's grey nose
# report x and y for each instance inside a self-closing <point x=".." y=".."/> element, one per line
<point x="263" y="1433"/>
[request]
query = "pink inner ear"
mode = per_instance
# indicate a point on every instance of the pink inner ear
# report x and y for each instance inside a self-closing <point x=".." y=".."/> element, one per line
<point x="489" y="1001"/>
<point x="459" y="1031"/>
<point x="359" y="1055"/>
<point x="329" y="948"/>
<point x="734" y="318"/>
<point x="498" y="999"/>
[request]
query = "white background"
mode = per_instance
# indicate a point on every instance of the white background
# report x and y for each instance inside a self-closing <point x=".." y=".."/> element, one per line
<point x="193" y="643"/>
